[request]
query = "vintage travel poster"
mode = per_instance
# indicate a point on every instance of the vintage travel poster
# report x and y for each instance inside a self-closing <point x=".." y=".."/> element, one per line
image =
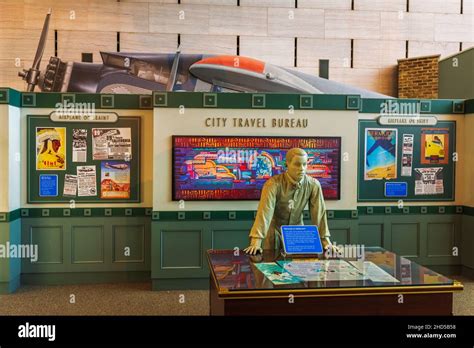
<point x="112" y="144"/>
<point x="79" y="145"/>
<point x="86" y="181"/>
<point x="115" y="180"/>
<point x="407" y="154"/>
<point x="434" y="146"/>
<point x="70" y="185"/>
<point x="429" y="181"/>
<point x="50" y="148"/>
<point x="380" y="154"/>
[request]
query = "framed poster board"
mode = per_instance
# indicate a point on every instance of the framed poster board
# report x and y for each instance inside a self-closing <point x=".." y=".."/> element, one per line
<point x="237" y="167"/>
<point x="83" y="161"/>
<point x="417" y="158"/>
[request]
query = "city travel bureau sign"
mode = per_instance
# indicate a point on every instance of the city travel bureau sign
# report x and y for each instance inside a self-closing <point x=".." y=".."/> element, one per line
<point x="255" y="122"/>
<point x="415" y="120"/>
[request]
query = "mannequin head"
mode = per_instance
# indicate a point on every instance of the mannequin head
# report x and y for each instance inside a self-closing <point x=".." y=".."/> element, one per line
<point x="296" y="163"/>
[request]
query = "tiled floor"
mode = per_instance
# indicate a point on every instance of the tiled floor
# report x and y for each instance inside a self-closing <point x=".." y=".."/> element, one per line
<point x="138" y="299"/>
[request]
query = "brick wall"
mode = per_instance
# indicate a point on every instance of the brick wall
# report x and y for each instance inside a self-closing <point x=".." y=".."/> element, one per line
<point x="418" y="77"/>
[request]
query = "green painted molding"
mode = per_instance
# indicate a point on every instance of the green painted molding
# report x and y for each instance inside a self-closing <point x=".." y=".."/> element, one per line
<point x="74" y="212"/>
<point x="100" y="101"/>
<point x="226" y="215"/>
<point x="411" y="210"/>
<point x="10" y="96"/>
<point x="469" y="106"/>
<point x="255" y="101"/>
<point x="425" y="106"/>
<point x="468" y="211"/>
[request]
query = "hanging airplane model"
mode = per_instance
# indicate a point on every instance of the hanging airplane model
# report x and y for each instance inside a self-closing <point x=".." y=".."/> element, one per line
<point x="142" y="73"/>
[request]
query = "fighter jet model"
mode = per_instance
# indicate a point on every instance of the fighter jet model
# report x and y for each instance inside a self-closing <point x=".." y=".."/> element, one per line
<point x="142" y="73"/>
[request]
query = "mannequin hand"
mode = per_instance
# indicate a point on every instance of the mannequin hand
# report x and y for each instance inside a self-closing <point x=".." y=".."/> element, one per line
<point x="254" y="247"/>
<point x="253" y="250"/>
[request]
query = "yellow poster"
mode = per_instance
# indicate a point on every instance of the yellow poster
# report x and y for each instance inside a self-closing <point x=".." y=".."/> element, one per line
<point x="50" y="148"/>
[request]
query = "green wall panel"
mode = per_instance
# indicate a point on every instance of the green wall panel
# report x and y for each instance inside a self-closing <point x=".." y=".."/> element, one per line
<point x="440" y="239"/>
<point x="129" y="243"/>
<point x="181" y="249"/>
<point x="371" y="234"/>
<point x="87" y="244"/>
<point x="406" y="239"/>
<point x="50" y="243"/>
<point x="340" y="235"/>
<point x="467" y="241"/>
<point x="230" y="239"/>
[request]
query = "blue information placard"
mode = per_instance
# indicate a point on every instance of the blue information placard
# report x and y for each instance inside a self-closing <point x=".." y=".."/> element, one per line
<point x="48" y="185"/>
<point x="396" y="189"/>
<point x="300" y="239"/>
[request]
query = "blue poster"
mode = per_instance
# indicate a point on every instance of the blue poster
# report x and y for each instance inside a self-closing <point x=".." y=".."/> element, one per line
<point x="48" y="185"/>
<point x="396" y="189"/>
<point x="300" y="239"/>
<point x="380" y="154"/>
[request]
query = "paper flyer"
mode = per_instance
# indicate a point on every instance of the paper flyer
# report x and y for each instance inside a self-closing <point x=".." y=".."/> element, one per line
<point x="112" y="144"/>
<point x="50" y="148"/>
<point x="323" y="270"/>
<point x="114" y="180"/>
<point x="429" y="181"/>
<point x="86" y="181"/>
<point x="276" y="274"/>
<point x="70" y="185"/>
<point x="374" y="272"/>
<point x="434" y="146"/>
<point x="380" y="154"/>
<point x="407" y="154"/>
<point x="79" y="145"/>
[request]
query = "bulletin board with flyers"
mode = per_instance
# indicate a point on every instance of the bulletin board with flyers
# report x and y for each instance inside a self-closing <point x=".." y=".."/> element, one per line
<point x="83" y="161"/>
<point x="409" y="163"/>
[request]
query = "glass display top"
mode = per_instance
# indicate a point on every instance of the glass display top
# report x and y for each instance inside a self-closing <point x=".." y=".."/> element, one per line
<point x="234" y="270"/>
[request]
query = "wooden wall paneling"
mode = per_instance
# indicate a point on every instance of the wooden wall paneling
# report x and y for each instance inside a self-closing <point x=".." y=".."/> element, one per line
<point x="407" y="26"/>
<point x="237" y="20"/>
<point x="183" y="19"/>
<point x="352" y="24"/>
<point x="310" y="51"/>
<point x="146" y="42"/>
<point x="285" y="22"/>
<point x="426" y="48"/>
<point x="377" y="53"/>
<point x="454" y="27"/>
<point x="154" y="1"/>
<point x="468" y="7"/>
<point x="363" y="78"/>
<point x="435" y="6"/>
<point x="275" y="50"/>
<point x="22" y="43"/>
<point x="269" y="3"/>
<point x="210" y="2"/>
<point x="209" y="44"/>
<point x="12" y="14"/>
<point x="389" y="81"/>
<point x="380" y="5"/>
<point x="9" y="74"/>
<point x="71" y="44"/>
<point x="325" y="4"/>
<point x="93" y="15"/>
